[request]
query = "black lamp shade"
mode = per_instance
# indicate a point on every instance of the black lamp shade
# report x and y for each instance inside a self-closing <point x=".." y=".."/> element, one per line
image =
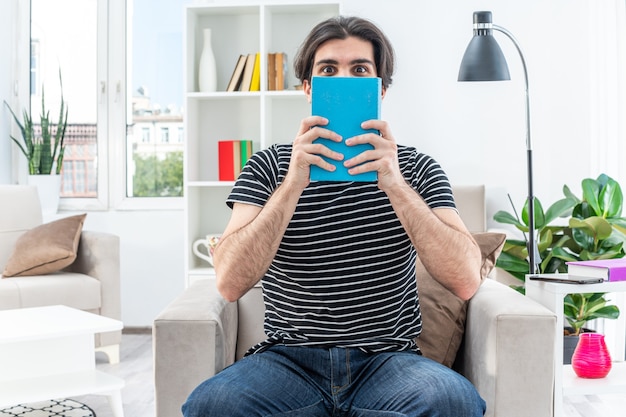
<point x="483" y="60"/>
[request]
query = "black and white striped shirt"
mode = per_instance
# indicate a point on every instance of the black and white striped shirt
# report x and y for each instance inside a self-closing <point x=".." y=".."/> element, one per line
<point x="344" y="274"/>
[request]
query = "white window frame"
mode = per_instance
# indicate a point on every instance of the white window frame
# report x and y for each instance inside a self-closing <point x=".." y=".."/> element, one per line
<point x="112" y="18"/>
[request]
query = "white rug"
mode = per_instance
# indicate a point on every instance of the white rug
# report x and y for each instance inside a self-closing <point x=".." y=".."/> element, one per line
<point x="50" y="408"/>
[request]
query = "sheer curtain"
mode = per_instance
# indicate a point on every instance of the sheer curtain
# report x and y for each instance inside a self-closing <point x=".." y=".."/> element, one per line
<point x="608" y="119"/>
<point x="608" y="88"/>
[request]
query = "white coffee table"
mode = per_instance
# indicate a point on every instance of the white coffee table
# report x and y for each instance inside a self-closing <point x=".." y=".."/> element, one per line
<point x="49" y="353"/>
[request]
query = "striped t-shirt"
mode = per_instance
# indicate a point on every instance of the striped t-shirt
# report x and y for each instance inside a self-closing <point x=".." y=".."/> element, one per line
<point x="344" y="273"/>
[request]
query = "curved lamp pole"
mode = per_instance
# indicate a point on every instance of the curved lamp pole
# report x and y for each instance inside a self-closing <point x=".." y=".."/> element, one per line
<point x="483" y="61"/>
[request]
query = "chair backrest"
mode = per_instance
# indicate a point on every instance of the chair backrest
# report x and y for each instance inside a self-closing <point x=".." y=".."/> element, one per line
<point x="470" y="201"/>
<point x="20" y="211"/>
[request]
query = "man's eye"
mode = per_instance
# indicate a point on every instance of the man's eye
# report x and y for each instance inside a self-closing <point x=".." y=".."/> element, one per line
<point x="360" y="70"/>
<point x="328" y="70"/>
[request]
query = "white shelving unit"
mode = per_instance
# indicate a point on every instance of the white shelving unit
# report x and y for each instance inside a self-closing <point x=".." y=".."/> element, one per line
<point x="265" y="117"/>
<point x="566" y="382"/>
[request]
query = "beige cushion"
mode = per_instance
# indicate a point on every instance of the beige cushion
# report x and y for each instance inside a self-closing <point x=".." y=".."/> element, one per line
<point x="46" y="248"/>
<point x="443" y="313"/>
<point x="67" y="288"/>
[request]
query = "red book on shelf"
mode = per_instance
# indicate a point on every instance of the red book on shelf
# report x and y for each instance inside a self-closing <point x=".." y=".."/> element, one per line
<point x="608" y="269"/>
<point x="228" y="159"/>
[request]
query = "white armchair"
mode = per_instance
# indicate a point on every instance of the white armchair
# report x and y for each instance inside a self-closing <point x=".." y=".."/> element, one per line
<point x="507" y="349"/>
<point x="90" y="283"/>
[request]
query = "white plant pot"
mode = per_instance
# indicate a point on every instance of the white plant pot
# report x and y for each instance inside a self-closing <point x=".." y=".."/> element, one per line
<point x="49" y="190"/>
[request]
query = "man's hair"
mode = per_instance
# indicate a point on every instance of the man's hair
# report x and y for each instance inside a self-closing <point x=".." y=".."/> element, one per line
<point x="342" y="27"/>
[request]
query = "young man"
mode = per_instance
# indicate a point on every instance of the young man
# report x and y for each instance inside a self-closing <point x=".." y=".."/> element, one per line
<point x="337" y="264"/>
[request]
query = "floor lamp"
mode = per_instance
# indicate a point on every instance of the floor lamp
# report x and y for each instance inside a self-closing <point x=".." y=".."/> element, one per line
<point x="484" y="61"/>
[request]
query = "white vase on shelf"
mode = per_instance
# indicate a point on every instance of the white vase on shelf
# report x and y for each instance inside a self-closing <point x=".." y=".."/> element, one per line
<point x="207" y="73"/>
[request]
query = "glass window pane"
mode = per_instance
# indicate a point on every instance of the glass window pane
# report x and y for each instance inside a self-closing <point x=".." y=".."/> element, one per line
<point x="64" y="39"/>
<point x="156" y="78"/>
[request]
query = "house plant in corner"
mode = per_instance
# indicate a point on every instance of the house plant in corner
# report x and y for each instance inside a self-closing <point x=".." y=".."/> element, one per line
<point x="43" y="146"/>
<point x="594" y="229"/>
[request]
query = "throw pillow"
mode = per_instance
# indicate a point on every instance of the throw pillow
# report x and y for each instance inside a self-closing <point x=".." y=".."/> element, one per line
<point x="46" y="248"/>
<point x="443" y="313"/>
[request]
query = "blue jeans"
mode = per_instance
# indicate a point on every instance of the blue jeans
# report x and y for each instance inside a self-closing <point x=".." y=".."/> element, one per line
<point x="310" y="382"/>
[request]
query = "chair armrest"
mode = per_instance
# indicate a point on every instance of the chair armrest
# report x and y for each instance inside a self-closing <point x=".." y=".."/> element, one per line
<point x="99" y="257"/>
<point x="508" y="352"/>
<point x="194" y="338"/>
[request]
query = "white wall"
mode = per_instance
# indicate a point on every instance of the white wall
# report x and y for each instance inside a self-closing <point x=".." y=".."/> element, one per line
<point x="475" y="130"/>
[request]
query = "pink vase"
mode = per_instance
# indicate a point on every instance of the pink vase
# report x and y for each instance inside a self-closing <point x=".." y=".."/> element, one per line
<point x="591" y="358"/>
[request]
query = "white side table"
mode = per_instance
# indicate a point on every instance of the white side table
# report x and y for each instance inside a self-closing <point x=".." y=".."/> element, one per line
<point x="551" y="295"/>
<point x="48" y="352"/>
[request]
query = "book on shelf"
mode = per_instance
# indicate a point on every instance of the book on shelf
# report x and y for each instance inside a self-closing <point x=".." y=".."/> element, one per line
<point x="232" y="157"/>
<point x="255" y="83"/>
<point x="280" y="64"/>
<point x="271" y="71"/>
<point x="246" y="78"/>
<point x="235" y="78"/>
<point x="346" y="102"/>
<point x="607" y="269"/>
<point x="276" y="71"/>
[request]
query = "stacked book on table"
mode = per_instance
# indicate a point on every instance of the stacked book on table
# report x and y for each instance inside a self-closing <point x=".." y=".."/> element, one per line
<point x="246" y="75"/>
<point x="607" y="269"/>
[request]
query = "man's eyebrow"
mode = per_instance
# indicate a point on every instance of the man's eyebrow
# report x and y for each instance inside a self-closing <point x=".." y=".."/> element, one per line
<point x="335" y="62"/>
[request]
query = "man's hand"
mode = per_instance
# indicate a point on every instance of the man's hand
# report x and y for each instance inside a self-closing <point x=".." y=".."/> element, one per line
<point x="306" y="153"/>
<point x="382" y="159"/>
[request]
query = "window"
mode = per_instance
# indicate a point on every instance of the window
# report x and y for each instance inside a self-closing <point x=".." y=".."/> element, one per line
<point x="165" y="135"/>
<point x="155" y="73"/>
<point x="64" y="61"/>
<point x="145" y="134"/>
<point x="123" y="89"/>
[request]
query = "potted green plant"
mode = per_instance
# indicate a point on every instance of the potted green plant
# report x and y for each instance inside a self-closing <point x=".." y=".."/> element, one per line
<point x="594" y="229"/>
<point x="43" y="146"/>
<point x="45" y="150"/>
<point x="578" y="310"/>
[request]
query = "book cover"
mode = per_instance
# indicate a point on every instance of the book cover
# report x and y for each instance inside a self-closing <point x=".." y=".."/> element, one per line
<point x="608" y="269"/>
<point x="227" y="153"/>
<point x="232" y="157"/>
<point x="235" y="78"/>
<point x="246" y="79"/>
<point x="346" y="102"/>
<point x="245" y="152"/>
<point x="280" y="65"/>
<point x="255" y="83"/>
<point x="271" y="71"/>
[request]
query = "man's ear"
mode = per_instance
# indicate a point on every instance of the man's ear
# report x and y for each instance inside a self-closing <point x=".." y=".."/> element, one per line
<point x="306" y="86"/>
<point x="384" y="90"/>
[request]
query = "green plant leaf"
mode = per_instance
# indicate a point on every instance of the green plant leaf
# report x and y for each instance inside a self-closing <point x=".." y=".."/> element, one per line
<point x="560" y="208"/>
<point x="600" y="227"/>
<point x="569" y="194"/>
<point x="611" y="199"/>
<point x="540" y="217"/>
<point x="507" y="218"/>
<point x="516" y="248"/>
<point x="512" y="263"/>
<point x="563" y="255"/>
<point x="591" y="191"/>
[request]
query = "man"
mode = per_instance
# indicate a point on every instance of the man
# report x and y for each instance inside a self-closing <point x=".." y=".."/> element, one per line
<point x="337" y="264"/>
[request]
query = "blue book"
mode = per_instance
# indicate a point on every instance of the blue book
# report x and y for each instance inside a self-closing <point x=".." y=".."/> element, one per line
<point x="346" y="102"/>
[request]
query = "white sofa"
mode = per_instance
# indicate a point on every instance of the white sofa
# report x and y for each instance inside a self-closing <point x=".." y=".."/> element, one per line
<point x="90" y="283"/>
<point x="507" y="351"/>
